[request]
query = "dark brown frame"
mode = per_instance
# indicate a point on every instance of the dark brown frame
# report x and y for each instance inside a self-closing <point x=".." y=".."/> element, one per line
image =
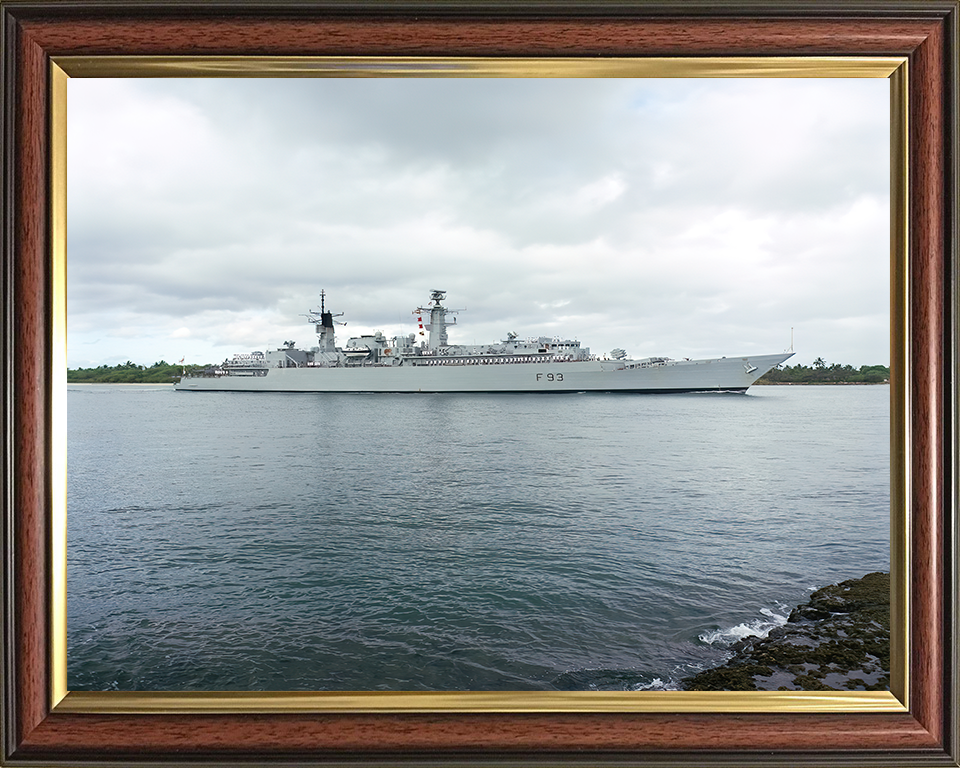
<point x="924" y="31"/>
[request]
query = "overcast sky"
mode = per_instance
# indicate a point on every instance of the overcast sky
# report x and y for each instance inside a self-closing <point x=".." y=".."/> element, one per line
<point x="684" y="218"/>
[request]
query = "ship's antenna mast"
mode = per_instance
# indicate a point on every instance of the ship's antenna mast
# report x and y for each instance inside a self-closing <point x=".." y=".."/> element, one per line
<point x="438" y="321"/>
<point x="323" y="310"/>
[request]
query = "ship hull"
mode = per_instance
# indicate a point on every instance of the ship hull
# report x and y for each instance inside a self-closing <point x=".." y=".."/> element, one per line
<point x="726" y="374"/>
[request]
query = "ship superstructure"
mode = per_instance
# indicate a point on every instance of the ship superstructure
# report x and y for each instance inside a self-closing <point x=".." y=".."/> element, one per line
<point x="376" y="363"/>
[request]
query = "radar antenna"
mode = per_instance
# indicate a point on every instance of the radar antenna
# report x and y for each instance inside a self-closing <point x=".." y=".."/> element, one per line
<point x="323" y="295"/>
<point x="323" y="310"/>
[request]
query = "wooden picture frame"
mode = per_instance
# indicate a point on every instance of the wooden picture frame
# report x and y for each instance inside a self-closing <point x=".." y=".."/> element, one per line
<point x="40" y="729"/>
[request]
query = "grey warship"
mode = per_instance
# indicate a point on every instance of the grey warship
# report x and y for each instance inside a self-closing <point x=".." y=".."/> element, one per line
<point x="374" y="363"/>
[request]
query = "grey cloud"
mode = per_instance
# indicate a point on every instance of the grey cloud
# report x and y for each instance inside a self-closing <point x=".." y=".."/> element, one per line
<point x="634" y="202"/>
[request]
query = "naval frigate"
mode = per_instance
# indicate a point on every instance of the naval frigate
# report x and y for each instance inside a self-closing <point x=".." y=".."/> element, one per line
<point x="374" y="363"/>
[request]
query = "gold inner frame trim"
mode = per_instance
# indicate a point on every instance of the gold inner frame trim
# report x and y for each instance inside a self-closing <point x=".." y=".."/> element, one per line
<point x="122" y="702"/>
<point x="115" y="702"/>
<point x="413" y="66"/>
<point x="58" y="394"/>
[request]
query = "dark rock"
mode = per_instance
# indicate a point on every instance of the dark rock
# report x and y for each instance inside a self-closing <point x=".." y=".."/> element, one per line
<point x="870" y="593"/>
<point x="838" y="640"/>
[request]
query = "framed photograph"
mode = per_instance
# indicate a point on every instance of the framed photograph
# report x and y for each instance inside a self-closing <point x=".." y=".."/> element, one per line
<point x="46" y="44"/>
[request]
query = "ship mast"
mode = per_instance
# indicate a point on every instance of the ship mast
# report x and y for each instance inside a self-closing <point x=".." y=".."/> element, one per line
<point x="325" y="330"/>
<point x="438" y="320"/>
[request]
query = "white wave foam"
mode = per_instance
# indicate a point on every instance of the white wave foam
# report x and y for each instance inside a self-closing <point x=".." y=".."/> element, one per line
<point x="654" y="685"/>
<point x="755" y="628"/>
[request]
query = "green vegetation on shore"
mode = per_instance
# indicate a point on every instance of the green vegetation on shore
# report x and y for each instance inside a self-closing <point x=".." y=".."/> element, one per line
<point x="131" y="373"/>
<point x="821" y="373"/>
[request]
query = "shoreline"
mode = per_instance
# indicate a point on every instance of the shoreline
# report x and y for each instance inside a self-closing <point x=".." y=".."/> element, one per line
<point x="820" y="383"/>
<point x="838" y="640"/>
<point x="120" y="383"/>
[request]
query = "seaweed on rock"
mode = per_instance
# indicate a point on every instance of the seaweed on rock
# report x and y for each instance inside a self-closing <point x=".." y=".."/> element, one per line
<point x="838" y="640"/>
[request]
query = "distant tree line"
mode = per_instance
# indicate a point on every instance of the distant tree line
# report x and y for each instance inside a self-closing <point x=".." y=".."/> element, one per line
<point x="130" y="373"/>
<point x="821" y="373"/>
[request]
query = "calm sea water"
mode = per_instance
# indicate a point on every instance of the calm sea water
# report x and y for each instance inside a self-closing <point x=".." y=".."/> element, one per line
<point x="254" y="541"/>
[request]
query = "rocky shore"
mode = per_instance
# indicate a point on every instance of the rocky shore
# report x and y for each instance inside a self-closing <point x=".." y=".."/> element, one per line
<point x="838" y="640"/>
